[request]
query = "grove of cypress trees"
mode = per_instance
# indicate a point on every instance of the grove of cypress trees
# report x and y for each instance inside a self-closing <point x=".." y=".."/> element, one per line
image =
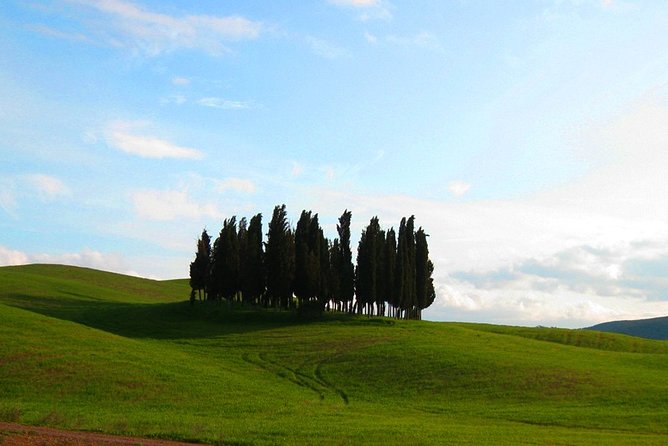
<point x="393" y="274"/>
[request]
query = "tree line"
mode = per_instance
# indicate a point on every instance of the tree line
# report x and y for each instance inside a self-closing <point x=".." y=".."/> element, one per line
<point x="301" y="269"/>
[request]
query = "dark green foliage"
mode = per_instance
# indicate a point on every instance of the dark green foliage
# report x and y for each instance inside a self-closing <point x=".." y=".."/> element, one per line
<point x="392" y="277"/>
<point x="406" y="266"/>
<point x="199" y="268"/>
<point x="324" y="267"/>
<point x="425" y="293"/>
<point x="369" y="267"/>
<point x="242" y="237"/>
<point x="390" y="291"/>
<point x="345" y="269"/>
<point x="225" y="264"/>
<point x="334" y="275"/>
<point x="253" y="278"/>
<point x="307" y="265"/>
<point x="311" y="261"/>
<point x="280" y="259"/>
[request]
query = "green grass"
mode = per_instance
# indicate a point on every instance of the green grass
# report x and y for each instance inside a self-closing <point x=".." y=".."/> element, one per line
<point x="88" y="350"/>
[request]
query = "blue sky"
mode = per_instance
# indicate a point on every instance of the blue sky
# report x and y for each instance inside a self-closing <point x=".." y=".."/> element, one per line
<point x="529" y="138"/>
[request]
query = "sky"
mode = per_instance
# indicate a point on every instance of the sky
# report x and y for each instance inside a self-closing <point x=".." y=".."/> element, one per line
<point x="528" y="138"/>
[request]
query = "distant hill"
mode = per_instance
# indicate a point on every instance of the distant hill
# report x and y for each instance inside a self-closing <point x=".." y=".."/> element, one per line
<point x="655" y="328"/>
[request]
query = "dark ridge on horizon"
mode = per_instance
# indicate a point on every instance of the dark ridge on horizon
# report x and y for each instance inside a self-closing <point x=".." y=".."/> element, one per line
<point x="654" y="328"/>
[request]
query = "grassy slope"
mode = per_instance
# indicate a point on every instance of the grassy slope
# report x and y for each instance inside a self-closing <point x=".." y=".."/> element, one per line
<point x="90" y="350"/>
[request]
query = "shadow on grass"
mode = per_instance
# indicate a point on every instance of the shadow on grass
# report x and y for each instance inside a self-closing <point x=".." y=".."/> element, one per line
<point x="174" y="320"/>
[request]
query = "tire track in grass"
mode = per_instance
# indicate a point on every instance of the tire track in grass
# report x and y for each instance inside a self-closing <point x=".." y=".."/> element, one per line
<point x="318" y="373"/>
<point x="281" y="372"/>
<point x="316" y="382"/>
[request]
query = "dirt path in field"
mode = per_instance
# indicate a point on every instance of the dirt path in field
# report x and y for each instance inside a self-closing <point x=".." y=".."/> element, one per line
<point x="12" y="434"/>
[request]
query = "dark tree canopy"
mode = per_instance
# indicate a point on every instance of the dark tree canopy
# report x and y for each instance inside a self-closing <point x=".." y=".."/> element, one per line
<point x="423" y="269"/>
<point x="280" y="258"/>
<point x="302" y="269"/>
<point x="345" y="268"/>
<point x="225" y="261"/>
<point x="199" y="268"/>
<point x="253" y="278"/>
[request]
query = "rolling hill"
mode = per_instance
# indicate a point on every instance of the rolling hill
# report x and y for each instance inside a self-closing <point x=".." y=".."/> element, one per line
<point x="89" y="350"/>
<point x="655" y="328"/>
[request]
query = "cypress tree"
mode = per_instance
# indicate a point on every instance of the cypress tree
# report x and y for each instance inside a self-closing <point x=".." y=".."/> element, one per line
<point x="253" y="280"/>
<point x="424" y="268"/>
<point x="280" y="259"/>
<point x="334" y="275"/>
<point x="368" y="267"/>
<point x="311" y="262"/>
<point x="199" y="268"/>
<point x="242" y="241"/>
<point x="379" y="269"/>
<point x="225" y="267"/>
<point x="324" y="292"/>
<point x="390" y="292"/>
<point x="405" y="276"/>
<point x="401" y="264"/>
<point x="304" y="282"/>
<point x="410" y="282"/>
<point x="346" y="270"/>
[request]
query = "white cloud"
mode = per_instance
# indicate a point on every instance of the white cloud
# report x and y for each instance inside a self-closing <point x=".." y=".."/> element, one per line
<point x="119" y="136"/>
<point x="458" y="188"/>
<point x="153" y="33"/>
<point x="87" y="257"/>
<point x="326" y="49"/>
<point x="180" y="80"/>
<point x="224" y="104"/>
<point x="48" y="187"/>
<point x="10" y="257"/>
<point x="17" y="188"/>
<point x="462" y="301"/>
<point x="235" y="184"/>
<point x="166" y="205"/>
<point x="571" y="257"/>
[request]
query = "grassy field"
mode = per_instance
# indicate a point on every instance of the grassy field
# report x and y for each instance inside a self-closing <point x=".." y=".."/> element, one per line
<point x="88" y="350"/>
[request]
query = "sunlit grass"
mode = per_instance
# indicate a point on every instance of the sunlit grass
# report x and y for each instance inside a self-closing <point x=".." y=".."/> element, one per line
<point x="89" y="350"/>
